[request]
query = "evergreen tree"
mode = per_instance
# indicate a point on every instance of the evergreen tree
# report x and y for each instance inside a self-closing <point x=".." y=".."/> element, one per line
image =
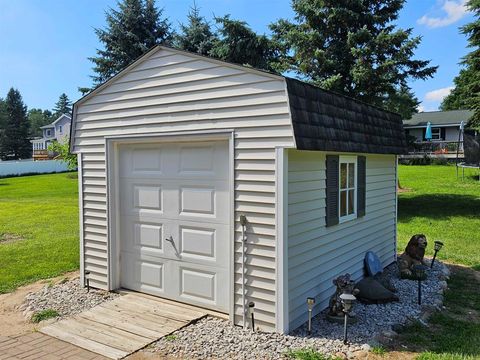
<point x="38" y="118"/>
<point x="352" y="47"/>
<point x="466" y="93"/>
<point x="239" y="44"/>
<point x="196" y="36"/>
<point x="62" y="106"/>
<point x="14" y="142"/>
<point x="3" y="115"/>
<point x="131" y="31"/>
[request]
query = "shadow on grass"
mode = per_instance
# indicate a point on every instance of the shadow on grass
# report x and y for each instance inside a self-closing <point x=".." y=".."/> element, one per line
<point x="453" y="333"/>
<point x="438" y="206"/>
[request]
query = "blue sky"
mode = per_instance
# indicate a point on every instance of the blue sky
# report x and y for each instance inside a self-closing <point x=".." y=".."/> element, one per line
<point x="45" y="44"/>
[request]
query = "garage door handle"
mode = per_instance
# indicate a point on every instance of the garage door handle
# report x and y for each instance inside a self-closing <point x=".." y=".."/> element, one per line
<point x="170" y="239"/>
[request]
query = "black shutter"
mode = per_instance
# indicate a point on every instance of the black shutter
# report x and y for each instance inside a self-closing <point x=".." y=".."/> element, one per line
<point x="442" y="133"/>
<point x="331" y="216"/>
<point x="361" y="184"/>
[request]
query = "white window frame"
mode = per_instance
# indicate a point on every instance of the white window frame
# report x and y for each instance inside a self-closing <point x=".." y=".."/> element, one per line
<point x="347" y="160"/>
<point x="48" y="132"/>
<point x="436" y="132"/>
<point x="60" y="129"/>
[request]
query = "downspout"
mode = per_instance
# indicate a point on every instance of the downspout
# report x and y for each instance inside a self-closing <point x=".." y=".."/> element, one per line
<point x="243" y="222"/>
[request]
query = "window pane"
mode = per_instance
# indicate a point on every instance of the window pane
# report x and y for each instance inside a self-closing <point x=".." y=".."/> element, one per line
<point x="351" y="175"/>
<point x="343" y="176"/>
<point x="351" y="201"/>
<point x="343" y="203"/>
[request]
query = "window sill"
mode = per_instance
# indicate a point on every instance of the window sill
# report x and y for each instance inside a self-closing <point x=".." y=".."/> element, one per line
<point x="347" y="218"/>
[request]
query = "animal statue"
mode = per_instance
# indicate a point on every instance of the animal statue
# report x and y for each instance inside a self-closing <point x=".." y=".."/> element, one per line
<point x="414" y="255"/>
<point x="344" y="284"/>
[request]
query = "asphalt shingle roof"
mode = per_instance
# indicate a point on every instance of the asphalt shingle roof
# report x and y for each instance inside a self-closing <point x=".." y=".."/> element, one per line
<point x="451" y="117"/>
<point x="327" y="121"/>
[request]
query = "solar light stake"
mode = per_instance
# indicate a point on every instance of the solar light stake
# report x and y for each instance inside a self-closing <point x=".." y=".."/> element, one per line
<point x="347" y="301"/>
<point x="251" y="306"/>
<point x="87" y="279"/>
<point x="419" y="271"/>
<point x="437" y="247"/>
<point x="310" y="304"/>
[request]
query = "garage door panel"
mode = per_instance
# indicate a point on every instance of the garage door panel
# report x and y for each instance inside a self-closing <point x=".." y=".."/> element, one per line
<point x="174" y="221"/>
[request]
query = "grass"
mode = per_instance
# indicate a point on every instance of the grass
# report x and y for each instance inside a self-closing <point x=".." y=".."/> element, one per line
<point x="379" y="350"/>
<point x="443" y="208"/>
<point x="39" y="228"/>
<point x="44" y="315"/>
<point x="454" y="333"/>
<point x="307" y="354"/>
<point x="448" y="209"/>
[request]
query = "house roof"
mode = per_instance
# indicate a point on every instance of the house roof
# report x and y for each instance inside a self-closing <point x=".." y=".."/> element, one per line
<point x="322" y="120"/>
<point x="51" y="125"/>
<point x="327" y="121"/>
<point x="439" y="118"/>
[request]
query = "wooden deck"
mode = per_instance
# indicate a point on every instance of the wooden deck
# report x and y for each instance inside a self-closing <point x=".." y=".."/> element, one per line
<point x="122" y="326"/>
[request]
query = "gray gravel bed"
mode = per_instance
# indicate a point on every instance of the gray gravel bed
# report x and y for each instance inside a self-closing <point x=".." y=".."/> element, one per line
<point x="67" y="298"/>
<point x="212" y="338"/>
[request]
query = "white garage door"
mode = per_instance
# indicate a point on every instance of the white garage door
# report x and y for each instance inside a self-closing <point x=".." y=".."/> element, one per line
<point x="174" y="221"/>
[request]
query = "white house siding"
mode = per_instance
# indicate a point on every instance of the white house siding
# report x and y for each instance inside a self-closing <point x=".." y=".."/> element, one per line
<point x="317" y="254"/>
<point x="172" y="91"/>
<point x="451" y="133"/>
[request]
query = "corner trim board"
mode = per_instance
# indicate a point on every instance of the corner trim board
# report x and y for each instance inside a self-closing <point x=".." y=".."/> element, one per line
<point x="281" y="220"/>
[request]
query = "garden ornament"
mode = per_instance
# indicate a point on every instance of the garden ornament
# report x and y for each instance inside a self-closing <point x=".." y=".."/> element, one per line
<point x="345" y="285"/>
<point x="414" y="255"/>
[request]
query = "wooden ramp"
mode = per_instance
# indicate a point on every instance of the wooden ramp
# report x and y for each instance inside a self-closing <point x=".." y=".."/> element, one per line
<point x="122" y="326"/>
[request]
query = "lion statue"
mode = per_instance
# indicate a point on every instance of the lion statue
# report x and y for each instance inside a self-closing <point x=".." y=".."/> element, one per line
<point x="413" y="255"/>
<point x="344" y="284"/>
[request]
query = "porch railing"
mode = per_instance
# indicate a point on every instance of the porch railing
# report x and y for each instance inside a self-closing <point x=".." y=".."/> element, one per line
<point x="436" y="147"/>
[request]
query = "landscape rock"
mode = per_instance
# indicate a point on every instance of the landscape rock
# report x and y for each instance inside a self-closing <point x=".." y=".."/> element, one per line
<point x="66" y="297"/>
<point x="376" y="324"/>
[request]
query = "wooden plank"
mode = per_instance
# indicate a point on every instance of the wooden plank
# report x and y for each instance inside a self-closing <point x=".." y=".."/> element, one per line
<point x="64" y="335"/>
<point x="74" y="326"/>
<point x="175" y="308"/>
<point x="150" y="323"/>
<point x="147" y="314"/>
<point x="167" y="310"/>
<point x="187" y="306"/>
<point x="124" y="323"/>
<point x="131" y="337"/>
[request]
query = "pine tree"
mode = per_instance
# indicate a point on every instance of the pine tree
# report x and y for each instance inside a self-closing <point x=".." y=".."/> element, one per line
<point x="131" y="31"/>
<point x="14" y="142"/>
<point x="352" y="47"/>
<point x="466" y="93"/>
<point x="62" y="106"/>
<point x="238" y="43"/>
<point x="196" y="36"/>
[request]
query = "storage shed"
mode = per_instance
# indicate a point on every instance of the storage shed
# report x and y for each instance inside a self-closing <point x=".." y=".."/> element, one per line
<point x="177" y="147"/>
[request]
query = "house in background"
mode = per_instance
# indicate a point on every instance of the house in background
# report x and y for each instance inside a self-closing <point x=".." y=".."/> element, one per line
<point x="445" y="132"/>
<point x="178" y="149"/>
<point x="59" y="130"/>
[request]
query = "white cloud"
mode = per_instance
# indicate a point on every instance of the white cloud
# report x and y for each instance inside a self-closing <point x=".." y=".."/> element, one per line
<point x="454" y="11"/>
<point x="438" y="95"/>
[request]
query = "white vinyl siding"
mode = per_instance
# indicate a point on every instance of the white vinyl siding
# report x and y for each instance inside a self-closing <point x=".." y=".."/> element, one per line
<point x="317" y="254"/>
<point x="170" y="91"/>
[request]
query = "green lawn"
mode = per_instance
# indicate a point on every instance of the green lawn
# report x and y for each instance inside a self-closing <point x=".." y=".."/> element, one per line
<point x="443" y="208"/>
<point x="448" y="209"/>
<point x="38" y="228"/>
